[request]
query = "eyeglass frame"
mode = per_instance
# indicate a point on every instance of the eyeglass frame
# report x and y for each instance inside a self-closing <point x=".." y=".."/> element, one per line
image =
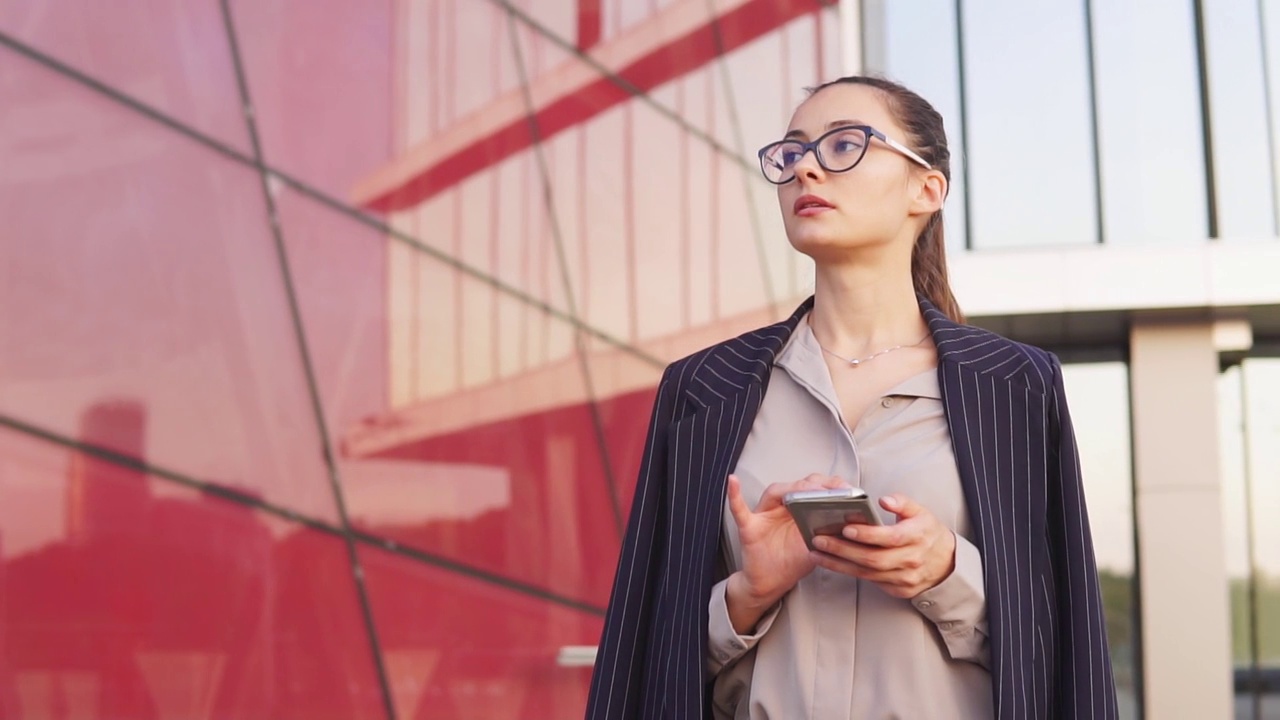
<point x="806" y="147"/>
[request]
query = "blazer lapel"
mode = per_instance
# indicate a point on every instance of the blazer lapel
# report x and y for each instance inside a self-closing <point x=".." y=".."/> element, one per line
<point x="968" y="398"/>
<point x="727" y="387"/>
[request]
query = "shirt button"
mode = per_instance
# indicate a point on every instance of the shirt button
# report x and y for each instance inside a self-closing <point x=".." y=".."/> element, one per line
<point x="886" y="402"/>
<point x="926" y="603"/>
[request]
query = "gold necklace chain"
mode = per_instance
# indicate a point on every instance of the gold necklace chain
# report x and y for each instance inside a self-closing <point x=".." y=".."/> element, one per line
<point x="855" y="362"/>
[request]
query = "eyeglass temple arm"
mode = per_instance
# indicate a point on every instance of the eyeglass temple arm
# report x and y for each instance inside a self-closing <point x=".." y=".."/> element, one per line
<point x="906" y="151"/>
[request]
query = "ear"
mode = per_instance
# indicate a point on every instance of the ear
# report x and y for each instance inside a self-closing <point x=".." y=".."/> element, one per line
<point x="930" y="193"/>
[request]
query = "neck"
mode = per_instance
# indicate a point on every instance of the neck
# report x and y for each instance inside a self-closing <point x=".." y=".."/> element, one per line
<point x="860" y="310"/>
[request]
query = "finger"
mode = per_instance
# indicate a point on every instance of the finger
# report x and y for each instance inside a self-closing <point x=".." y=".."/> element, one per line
<point x="773" y="494"/>
<point x="771" y="498"/>
<point x="869" y="557"/>
<point x="774" y="491"/>
<point x="886" y="536"/>
<point x="902" y="506"/>
<point x="737" y="504"/>
<point x="811" y="482"/>
<point x="896" y="583"/>
<point x="845" y="567"/>
<point x="818" y="480"/>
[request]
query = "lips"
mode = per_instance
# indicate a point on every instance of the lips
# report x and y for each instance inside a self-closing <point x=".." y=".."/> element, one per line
<point x="810" y="205"/>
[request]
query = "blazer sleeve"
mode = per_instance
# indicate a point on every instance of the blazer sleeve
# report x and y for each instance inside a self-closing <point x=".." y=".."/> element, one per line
<point x="1085" y="686"/>
<point x="617" y="682"/>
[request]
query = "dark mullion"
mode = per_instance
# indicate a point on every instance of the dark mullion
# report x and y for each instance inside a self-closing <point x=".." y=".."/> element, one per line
<point x="1202" y="59"/>
<point x="1091" y="60"/>
<point x="1268" y="98"/>
<point x="308" y="367"/>
<point x="562" y="259"/>
<point x="964" y="127"/>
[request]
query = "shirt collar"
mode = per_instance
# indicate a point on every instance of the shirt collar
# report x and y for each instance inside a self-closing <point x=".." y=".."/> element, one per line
<point x="802" y="356"/>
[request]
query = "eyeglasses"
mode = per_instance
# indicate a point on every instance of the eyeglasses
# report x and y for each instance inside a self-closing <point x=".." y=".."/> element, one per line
<point x="837" y="150"/>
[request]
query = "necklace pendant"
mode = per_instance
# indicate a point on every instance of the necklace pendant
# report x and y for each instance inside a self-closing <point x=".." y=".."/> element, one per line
<point x="855" y="363"/>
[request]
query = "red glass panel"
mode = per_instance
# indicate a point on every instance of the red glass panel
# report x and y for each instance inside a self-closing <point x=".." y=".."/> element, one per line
<point x="125" y="595"/>
<point x="150" y="296"/>
<point x="320" y="76"/>
<point x="460" y="411"/>
<point x="456" y="647"/>
<point x="171" y="56"/>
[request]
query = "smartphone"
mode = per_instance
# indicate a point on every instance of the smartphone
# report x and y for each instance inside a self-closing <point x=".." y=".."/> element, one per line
<point x="826" y="512"/>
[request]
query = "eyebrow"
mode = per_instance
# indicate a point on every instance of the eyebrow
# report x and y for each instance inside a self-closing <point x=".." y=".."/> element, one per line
<point x="830" y="125"/>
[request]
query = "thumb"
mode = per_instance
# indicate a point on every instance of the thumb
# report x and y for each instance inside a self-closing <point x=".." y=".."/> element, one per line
<point x="901" y="505"/>
<point x="834" y="483"/>
<point x="737" y="505"/>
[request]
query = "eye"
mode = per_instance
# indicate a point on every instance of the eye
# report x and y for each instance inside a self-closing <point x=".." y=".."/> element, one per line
<point x="790" y="155"/>
<point x="847" y="143"/>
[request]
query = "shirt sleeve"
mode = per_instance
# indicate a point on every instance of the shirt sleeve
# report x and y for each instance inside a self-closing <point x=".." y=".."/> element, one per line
<point x="958" y="607"/>
<point x="724" y="645"/>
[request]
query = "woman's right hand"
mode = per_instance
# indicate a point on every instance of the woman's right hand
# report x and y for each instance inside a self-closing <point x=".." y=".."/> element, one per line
<point x="774" y="556"/>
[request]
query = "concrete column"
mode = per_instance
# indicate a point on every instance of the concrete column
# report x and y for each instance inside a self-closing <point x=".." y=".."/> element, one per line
<point x="1186" y="619"/>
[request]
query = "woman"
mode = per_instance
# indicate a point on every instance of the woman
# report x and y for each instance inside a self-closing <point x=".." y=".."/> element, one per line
<point x="979" y="596"/>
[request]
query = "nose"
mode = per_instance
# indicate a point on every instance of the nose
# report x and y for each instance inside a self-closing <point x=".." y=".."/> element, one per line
<point x="808" y="166"/>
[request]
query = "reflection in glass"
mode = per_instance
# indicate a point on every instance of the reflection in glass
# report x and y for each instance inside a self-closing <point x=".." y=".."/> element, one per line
<point x="319" y="76"/>
<point x="1250" y="434"/>
<point x="1150" y="135"/>
<point x="456" y="646"/>
<point x="486" y="450"/>
<point x="144" y="268"/>
<point x="172" y="57"/>
<point x="1242" y="173"/>
<point x="1028" y="113"/>
<point x="125" y="595"/>
<point x="1270" y="12"/>
<point x="1098" y="395"/>
<point x="921" y="50"/>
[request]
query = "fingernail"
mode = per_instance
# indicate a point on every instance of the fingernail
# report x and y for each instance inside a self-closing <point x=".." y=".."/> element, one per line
<point x="820" y="543"/>
<point x="851" y="532"/>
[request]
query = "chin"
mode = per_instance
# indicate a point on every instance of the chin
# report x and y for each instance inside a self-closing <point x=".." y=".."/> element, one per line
<point x="820" y="243"/>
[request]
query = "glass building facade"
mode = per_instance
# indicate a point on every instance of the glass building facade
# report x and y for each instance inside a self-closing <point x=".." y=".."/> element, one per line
<point x="329" y="330"/>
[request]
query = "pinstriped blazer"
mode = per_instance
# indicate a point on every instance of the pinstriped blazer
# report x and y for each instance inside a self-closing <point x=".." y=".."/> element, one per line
<point x="1016" y="455"/>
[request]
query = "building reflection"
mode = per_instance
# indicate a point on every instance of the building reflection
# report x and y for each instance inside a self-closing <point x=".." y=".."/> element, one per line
<point x="153" y="606"/>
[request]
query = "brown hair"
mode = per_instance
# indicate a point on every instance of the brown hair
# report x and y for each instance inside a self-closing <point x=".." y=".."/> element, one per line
<point x="925" y="135"/>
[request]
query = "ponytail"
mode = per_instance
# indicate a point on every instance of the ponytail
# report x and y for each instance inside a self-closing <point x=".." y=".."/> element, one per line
<point x="929" y="269"/>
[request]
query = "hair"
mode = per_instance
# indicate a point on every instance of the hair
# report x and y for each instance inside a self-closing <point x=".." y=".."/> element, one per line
<point x="927" y="137"/>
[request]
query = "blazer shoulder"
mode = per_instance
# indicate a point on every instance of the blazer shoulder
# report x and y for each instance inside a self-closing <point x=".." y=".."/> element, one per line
<point x="750" y="353"/>
<point x="989" y="352"/>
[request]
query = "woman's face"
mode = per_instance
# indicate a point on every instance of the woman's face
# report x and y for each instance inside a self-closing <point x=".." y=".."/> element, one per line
<point x="868" y="205"/>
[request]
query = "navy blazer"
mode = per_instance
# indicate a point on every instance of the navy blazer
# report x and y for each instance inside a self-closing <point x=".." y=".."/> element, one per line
<point x="1017" y="458"/>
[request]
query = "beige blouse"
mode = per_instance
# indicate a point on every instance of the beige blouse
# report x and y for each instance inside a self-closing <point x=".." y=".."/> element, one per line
<point x="837" y="647"/>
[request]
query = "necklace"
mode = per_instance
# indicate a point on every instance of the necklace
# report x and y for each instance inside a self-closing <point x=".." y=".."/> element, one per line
<point x="855" y="362"/>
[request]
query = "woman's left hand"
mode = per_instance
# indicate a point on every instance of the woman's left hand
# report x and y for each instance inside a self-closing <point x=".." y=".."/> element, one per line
<point x="904" y="559"/>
